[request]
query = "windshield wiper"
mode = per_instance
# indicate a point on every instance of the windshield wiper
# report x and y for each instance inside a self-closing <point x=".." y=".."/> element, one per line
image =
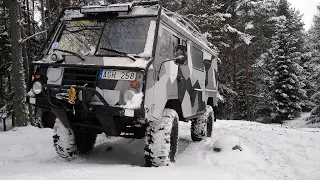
<point x="118" y="52"/>
<point x="70" y="52"/>
<point x="114" y="51"/>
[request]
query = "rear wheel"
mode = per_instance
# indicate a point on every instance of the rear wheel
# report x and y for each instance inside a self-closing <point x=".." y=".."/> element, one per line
<point x="69" y="144"/>
<point x="202" y="127"/>
<point x="161" y="141"/>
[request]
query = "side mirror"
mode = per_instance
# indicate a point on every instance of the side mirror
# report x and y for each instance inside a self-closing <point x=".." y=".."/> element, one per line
<point x="180" y="60"/>
<point x="180" y="54"/>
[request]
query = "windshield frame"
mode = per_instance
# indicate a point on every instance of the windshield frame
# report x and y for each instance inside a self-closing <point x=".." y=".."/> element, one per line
<point x="100" y="18"/>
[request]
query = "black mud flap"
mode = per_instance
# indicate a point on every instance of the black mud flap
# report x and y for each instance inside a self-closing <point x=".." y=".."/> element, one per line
<point x="62" y="116"/>
<point x="107" y="121"/>
<point x="48" y="119"/>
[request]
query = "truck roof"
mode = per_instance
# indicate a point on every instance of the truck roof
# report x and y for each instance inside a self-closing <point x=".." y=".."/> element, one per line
<point x="145" y="9"/>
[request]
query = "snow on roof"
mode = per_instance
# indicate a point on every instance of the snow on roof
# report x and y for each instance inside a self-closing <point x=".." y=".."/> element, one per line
<point x="135" y="10"/>
<point x="144" y="10"/>
<point x="123" y="4"/>
<point x="72" y="13"/>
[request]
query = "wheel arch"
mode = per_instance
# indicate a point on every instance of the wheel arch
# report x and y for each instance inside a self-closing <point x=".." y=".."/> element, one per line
<point x="214" y="107"/>
<point x="210" y="101"/>
<point x="175" y="104"/>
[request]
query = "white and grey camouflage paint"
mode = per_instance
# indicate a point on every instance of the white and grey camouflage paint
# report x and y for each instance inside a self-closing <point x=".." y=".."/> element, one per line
<point x="190" y="86"/>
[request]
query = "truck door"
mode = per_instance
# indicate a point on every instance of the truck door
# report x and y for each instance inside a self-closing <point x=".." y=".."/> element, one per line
<point x="199" y="94"/>
<point x="166" y="71"/>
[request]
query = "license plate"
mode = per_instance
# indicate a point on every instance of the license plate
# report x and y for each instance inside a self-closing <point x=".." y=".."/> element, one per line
<point x="117" y="75"/>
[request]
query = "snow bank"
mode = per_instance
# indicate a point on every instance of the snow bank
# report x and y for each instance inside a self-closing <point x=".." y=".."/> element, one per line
<point x="26" y="145"/>
<point x="227" y="143"/>
<point x="243" y="161"/>
<point x="298" y="122"/>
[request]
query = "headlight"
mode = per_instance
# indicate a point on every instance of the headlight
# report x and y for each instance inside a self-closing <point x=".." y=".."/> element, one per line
<point x="80" y="95"/>
<point x="37" y="87"/>
<point x="54" y="58"/>
<point x="128" y="95"/>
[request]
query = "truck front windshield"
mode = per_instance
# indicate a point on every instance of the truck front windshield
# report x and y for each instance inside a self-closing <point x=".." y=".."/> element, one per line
<point x="104" y="38"/>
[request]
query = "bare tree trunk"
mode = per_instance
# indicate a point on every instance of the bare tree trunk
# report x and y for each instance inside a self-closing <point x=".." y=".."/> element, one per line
<point x="49" y="14"/>
<point x="235" y="85"/>
<point x="247" y="85"/>
<point x="24" y="45"/>
<point x="234" y="60"/>
<point x="33" y="16"/>
<point x="43" y="16"/>
<point x="20" y="109"/>
<point x="28" y="18"/>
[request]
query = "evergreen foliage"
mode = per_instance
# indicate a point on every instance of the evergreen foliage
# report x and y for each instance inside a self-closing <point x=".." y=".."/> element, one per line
<point x="285" y="55"/>
<point x="312" y="64"/>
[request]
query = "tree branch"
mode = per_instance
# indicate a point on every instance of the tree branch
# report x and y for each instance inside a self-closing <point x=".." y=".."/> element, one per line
<point x="26" y="39"/>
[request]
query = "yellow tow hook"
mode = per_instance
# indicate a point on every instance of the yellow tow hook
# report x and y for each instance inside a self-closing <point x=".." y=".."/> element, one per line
<point x="72" y="95"/>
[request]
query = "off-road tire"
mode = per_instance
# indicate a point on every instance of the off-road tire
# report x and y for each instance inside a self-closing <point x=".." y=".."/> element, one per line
<point x="202" y="127"/>
<point x="161" y="141"/>
<point x="70" y="144"/>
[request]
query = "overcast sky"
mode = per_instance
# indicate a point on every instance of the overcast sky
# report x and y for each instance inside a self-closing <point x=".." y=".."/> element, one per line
<point x="308" y="8"/>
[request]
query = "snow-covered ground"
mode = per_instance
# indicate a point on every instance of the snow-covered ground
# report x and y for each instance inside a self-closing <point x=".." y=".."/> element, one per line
<point x="298" y="122"/>
<point x="268" y="152"/>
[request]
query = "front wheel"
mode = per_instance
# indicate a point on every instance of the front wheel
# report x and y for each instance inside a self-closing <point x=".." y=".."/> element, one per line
<point x="69" y="144"/>
<point x="202" y="127"/>
<point x="161" y="141"/>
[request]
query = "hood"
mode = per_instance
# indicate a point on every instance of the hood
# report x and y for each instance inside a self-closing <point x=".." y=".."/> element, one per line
<point x="103" y="61"/>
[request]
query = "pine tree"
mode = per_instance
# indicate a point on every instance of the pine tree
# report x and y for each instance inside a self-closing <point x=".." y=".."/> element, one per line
<point x="286" y="89"/>
<point x="263" y="32"/>
<point x="313" y="64"/>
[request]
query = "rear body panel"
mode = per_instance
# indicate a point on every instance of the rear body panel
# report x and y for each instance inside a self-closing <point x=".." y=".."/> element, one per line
<point x="192" y="85"/>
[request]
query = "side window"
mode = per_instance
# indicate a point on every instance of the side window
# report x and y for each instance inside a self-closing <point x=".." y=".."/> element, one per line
<point x="197" y="58"/>
<point x="168" y="44"/>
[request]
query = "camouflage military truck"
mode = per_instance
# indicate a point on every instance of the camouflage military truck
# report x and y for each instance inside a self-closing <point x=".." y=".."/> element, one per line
<point x="130" y="70"/>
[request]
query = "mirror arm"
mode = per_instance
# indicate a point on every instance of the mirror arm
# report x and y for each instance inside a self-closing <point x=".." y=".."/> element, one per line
<point x="168" y="60"/>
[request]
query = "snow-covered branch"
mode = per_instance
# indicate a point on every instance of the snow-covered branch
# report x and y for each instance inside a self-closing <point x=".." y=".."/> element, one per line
<point x="30" y="37"/>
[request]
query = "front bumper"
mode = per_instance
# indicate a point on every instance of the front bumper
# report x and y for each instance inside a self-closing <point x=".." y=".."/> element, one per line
<point x="46" y="101"/>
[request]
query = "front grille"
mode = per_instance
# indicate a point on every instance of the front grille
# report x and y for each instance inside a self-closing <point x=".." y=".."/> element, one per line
<point x="80" y="77"/>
